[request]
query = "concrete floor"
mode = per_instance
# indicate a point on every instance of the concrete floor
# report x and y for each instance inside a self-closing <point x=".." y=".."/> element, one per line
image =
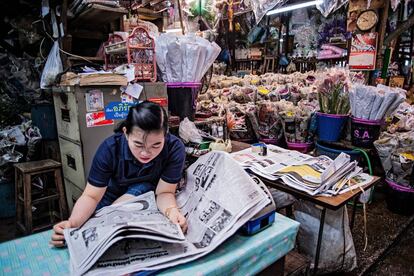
<point x="390" y="240"/>
<point x="399" y="259"/>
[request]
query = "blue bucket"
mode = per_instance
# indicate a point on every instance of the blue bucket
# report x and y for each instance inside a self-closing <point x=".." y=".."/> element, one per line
<point x="330" y="126"/>
<point x="333" y="151"/>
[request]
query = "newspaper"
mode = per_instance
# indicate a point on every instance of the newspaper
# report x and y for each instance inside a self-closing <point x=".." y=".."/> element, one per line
<point x="314" y="175"/>
<point x="218" y="198"/>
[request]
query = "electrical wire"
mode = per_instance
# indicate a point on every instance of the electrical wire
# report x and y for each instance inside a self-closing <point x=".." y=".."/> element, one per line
<point x="63" y="51"/>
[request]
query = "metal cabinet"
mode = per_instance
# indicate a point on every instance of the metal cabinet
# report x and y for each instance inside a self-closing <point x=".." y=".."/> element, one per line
<point x="79" y="137"/>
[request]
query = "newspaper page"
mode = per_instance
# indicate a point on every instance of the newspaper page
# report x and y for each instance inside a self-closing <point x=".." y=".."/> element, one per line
<point x="218" y="198"/>
<point x="276" y="159"/>
<point x="140" y="215"/>
<point x="314" y="175"/>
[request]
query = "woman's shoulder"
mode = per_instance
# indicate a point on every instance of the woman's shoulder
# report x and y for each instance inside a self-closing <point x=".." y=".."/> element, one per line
<point x="174" y="145"/>
<point x="111" y="142"/>
<point x="173" y="142"/>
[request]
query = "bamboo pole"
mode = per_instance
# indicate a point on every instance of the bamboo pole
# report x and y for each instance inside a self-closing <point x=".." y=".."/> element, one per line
<point x="181" y="16"/>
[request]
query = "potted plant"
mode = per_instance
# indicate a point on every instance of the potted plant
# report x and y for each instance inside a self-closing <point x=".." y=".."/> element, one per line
<point x="334" y="105"/>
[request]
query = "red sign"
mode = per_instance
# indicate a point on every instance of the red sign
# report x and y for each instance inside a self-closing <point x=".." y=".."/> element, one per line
<point x="160" y="101"/>
<point x="363" y="51"/>
<point x="95" y="119"/>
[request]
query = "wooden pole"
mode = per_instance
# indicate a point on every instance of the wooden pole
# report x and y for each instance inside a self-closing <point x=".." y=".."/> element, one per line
<point x="384" y="18"/>
<point x="181" y="16"/>
<point x="400" y="29"/>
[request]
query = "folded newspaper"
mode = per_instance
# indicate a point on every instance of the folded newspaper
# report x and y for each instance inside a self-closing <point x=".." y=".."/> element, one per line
<point x="218" y="198"/>
<point x="314" y="175"/>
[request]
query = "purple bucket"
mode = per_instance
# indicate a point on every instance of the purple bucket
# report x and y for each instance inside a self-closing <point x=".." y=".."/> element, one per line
<point x="301" y="147"/>
<point x="330" y="126"/>
<point x="184" y="84"/>
<point x="271" y="141"/>
<point x="365" y="132"/>
<point x="400" y="198"/>
<point x="182" y="98"/>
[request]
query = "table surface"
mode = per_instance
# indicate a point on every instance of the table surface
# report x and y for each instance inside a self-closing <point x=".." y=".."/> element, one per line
<point x="333" y="202"/>
<point x="239" y="255"/>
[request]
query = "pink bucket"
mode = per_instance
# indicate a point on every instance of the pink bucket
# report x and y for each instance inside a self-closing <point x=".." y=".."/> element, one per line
<point x="301" y="147"/>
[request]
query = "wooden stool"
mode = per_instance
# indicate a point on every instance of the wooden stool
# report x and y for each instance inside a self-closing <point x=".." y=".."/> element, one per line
<point x="269" y="65"/>
<point x="27" y="198"/>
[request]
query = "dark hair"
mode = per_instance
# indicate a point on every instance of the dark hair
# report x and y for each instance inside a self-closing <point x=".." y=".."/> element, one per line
<point x="146" y="115"/>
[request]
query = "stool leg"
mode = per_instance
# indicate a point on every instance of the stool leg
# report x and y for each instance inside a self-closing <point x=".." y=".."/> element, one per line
<point x="62" y="201"/>
<point x="18" y="191"/>
<point x="28" y="203"/>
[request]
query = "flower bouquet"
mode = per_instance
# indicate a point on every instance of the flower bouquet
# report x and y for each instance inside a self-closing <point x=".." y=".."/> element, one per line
<point x="334" y="104"/>
<point x="333" y="93"/>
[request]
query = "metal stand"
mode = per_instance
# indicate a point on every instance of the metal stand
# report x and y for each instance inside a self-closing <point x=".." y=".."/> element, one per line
<point x="319" y="243"/>
<point x="354" y="211"/>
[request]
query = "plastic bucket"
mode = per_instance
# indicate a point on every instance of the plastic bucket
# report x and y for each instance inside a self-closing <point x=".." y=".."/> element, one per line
<point x="182" y="99"/>
<point x="400" y="199"/>
<point x="364" y="132"/>
<point x="301" y="147"/>
<point x="271" y="141"/>
<point x="333" y="151"/>
<point x="330" y="126"/>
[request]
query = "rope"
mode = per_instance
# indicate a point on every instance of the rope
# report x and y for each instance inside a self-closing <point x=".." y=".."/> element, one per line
<point x="364" y="205"/>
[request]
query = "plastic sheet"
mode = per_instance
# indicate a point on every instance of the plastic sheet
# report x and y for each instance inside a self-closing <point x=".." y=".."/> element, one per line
<point x="330" y="6"/>
<point x="385" y="146"/>
<point x="184" y="58"/>
<point x="337" y="251"/>
<point x="402" y="165"/>
<point x="374" y="103"/>
<point x="261" y="7"/>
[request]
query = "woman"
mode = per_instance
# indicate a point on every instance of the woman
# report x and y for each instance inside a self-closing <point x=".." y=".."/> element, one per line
<point x="141" y="156"/>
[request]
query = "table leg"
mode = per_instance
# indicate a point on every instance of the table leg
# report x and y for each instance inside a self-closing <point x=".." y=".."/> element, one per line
<point x="354" y="212"/>
<point x="319" y="242"/>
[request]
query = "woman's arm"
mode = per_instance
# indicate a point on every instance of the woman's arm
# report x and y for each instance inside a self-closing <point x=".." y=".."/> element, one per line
<point x="167" y="204"/>
<point x="85" y="206"/>
<point x="83" y="209"/>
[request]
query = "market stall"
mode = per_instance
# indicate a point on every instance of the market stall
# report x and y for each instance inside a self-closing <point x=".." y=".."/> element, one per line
<point x="313" y="101"/>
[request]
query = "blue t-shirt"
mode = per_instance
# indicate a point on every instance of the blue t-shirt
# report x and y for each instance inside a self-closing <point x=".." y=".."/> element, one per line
<point x="115" y="167"/>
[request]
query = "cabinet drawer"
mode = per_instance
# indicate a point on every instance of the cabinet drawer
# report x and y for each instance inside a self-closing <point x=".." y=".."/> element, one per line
<point x="66" y="115"/>
<point x="73" y="193"/>
<point x="72" y="162"/>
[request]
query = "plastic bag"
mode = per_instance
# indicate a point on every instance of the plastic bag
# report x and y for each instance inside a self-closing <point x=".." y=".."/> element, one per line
<point x="221" y="145"/>
<point x="337" y="249"/>
<point x="52" y="67"/>
<point x="189" y="132"/>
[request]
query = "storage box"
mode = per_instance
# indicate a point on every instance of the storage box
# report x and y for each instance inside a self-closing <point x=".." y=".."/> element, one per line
<point x="7" y="200"/>
<point x="155" y="92"/>
<point x="43" y="116"/>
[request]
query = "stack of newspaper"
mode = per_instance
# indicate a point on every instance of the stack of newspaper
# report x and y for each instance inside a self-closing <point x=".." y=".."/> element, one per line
<point x="217" y="200"/>
<point x="314" y="175"/>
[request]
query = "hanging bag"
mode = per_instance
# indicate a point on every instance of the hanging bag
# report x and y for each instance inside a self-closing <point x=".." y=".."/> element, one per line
<point x="52" y="67"/>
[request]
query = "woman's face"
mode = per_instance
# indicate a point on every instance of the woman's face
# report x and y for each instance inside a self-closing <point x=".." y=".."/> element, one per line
<point x="145" y="146"/>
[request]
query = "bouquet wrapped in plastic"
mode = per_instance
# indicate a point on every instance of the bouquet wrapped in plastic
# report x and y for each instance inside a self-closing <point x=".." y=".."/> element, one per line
<point x="333" y="92"/>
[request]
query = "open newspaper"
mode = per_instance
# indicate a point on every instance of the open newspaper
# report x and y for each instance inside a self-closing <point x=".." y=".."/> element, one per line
<point x="218" y="198"/>
<point x="314" y="175"/>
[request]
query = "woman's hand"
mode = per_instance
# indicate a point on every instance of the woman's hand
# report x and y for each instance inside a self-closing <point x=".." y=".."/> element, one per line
<point x="58" y="239"/>
<point x="175" y="216"/>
